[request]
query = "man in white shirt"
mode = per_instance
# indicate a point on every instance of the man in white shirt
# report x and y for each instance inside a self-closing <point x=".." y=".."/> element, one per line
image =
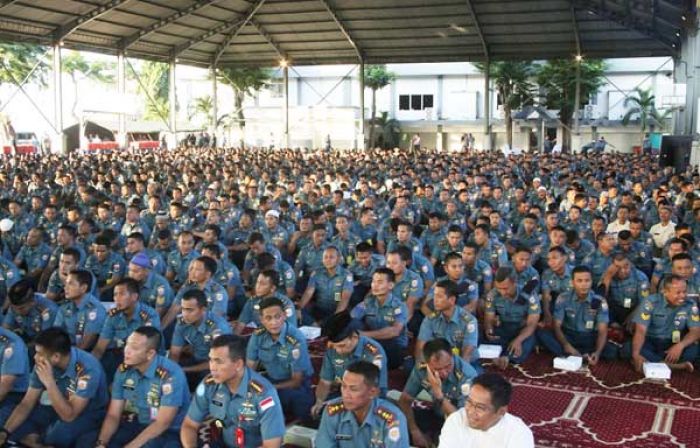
<point x="484" y="421"/>
<point x="664" y="230"/>
<point x="622" y="222"/>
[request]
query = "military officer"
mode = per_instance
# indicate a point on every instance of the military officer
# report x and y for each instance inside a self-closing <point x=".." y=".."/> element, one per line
<point x="580" y="325"/>
<point x="149" y="398"/>
<point x="281" y="350"/>
<point x="82" y="316"/>
<point x="556" y="279"/>
<point x="127" y="315"/>
<point x="14" y="372"/>
<point x="330" y="286"/>
<point x="265" y="286"/>
<point x="382" y="423"/>
<point x="511" y="314"/>
<point x="626" y="287"/>
<point x="667" y="328"/>
<point x="65" y="379"/>
<point x="29" y="313"/>
<point x="107" y="266"/>
<point x="179" y="260"/>
<point x="196" y="329"/>
<point x="243" y="405"/>
<point x="345" y="346"/>
<point x="154" y="289"/>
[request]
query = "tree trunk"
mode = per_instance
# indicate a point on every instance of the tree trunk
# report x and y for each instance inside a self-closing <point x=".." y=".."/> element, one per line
<point x="74" y="109"/>
<point x="565" y="137"/>
<point x="238" y="104"/>
<point x="509" y="126"/>
<point x="372" y="117"/>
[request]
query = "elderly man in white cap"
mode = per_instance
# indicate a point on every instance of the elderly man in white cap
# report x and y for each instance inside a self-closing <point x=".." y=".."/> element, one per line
<point x="273" y="232"/>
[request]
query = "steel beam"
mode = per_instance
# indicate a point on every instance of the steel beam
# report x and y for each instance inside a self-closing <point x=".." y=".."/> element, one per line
<point x="577" y="34"/>
<point x="479" y="31"/>
<point x="129" y="41"/>
<point x="236" y="30"/>
<point x="281" y="53"/>
<point x="65" y="30"/>
<point x="342" y="28"/>
<point x="172" y="95"/>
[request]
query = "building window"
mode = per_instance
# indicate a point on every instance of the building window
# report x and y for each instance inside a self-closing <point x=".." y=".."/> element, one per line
<point x="415" y="102"/>
<point x="276" y="88"/>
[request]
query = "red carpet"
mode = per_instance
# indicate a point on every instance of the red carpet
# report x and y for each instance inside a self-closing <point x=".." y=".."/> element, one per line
<point x="607" y="405"/>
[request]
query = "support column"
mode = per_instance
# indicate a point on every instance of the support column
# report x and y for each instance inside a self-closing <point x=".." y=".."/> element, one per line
<point x="577" y="96"/>
<point x="172" y="100"/>
<point x="286" y="107"/>
<point x="361" y="136"/>
<point x="59" y="144"/>
<point x="121" y="86"/>
<point x="214" y="98"/>
<point x="487" y="106"/>
<point x="687" y="71"/>
<point x="438" y="100"/>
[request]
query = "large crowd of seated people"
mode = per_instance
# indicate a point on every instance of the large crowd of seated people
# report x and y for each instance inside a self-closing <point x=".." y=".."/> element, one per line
<point x="169" y="298"/>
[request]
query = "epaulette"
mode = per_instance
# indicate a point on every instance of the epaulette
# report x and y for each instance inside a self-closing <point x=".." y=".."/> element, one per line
<point x="292" y="340"/>
<point x="209" y="380"/>
<point x="335" y="408"/>
<point x="434" y="315"/>
<point x="79" y="369"/>
<point x="144" y="315"/>
<point x="385" y="415"/>
<point x="162" y="372"/>
<point x="423" y="365"/>
<point x="3" y="339"/>
<point x="211" y="323"/>
<point x="123" y="367"/>
<point x="259" y="331"/>
<point x="371" y="348"/>
<point x="114" y="311"/>
<point x="257" y="387"/>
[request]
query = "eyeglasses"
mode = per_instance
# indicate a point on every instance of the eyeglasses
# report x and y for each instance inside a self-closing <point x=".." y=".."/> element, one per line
<point x="480" y="408"/>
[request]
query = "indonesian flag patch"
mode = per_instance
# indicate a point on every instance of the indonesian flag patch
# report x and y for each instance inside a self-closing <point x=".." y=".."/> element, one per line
<point x="267" y="404"/>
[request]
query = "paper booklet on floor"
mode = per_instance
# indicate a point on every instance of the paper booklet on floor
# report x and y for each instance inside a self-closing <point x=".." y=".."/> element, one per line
<point x="570" y="363"/>
<point x="489" y="351"/>
<point x="657" y="371"/>
<point x="310" y="332"/>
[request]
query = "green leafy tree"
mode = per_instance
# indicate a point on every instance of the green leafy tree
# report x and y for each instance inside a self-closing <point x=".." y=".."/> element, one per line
<point x="18" y="59"/>
<point x="79" y="68"/>
<point x="203" y="106"/>
<point x="244" y="81"/>
<point x="376" y="77"/>
<point x="154" y="82"/>
<point x="557" y="78"/>
<point x="512" y="80"/>
<point x="388" y="130"/>
<point x="642" y="109"/>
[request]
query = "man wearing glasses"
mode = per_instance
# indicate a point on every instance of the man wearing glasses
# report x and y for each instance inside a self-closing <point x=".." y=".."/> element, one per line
<point x="484" y="420"/>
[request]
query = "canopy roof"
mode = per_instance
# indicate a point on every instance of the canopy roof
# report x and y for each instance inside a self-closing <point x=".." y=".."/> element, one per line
<point x="261" y="32"/>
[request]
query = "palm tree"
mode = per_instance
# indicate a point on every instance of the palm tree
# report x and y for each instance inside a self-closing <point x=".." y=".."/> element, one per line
<point x="642" y="108"/>
<point x="77" y="66"/>
<point x="376" y="77"/>
<point x="388" y="129"/>
<point x="512" y="81"/>
<point x="154" y="82"/>
<point x="244" y="81"/>
<point x="557" y="78"/>
<point x="203" y="105"/>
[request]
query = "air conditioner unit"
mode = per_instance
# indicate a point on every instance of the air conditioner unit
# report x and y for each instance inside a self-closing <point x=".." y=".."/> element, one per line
<point x="591" y="112"/>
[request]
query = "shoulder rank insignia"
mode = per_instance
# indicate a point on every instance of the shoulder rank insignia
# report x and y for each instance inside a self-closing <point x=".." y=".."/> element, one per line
<point x="123" y="367"/>
<point x="144" y="316"/>
<point x="162" y="372"/>
<point x="386" y="415"/>
<point x="79" y="369"/>
<point x="292" y="340"/>
<point x="114" y="311"/>
<point x="4" y="339"/>
<point x="255" y="386"/>
<point x="209" y="380"/>
<point x="423" y="365"/>
<point x="259" y="331"/>
<point x="210" y="323"/>
<point x="371" y="348"/>
<point x="335" y="408"/>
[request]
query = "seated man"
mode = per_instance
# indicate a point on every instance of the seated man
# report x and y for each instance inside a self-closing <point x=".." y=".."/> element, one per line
<point x="467" y="290"/>
<point x="345" y="346"/>
<point x="29" y="313"/>
<point x="446" y="377"/>
<point x="82" y="315"/>
<point x="626" y="286"/>
<point x="154" y="289"/>
<point x="484" y="420"/>
<point x="384" y="317"/>
<point x="107" y="266"/>
<point x="127" y="315"/>
<point x="67" y="395"/>
<point x="580" y="326"/>
<point x="280" y="349"/>
<point x="193" y="334"/>
<point x="330" y="287"/>
<point x="666" y="328"/>
<point x="265" y="286"/>
<point x="149" y="398"/>
<point x="383" y="424"/>
<point x="243" y="404"/>
<point x="510" y="318"/>
<point x="14" y="372"/>
<point x="449" y="321"/>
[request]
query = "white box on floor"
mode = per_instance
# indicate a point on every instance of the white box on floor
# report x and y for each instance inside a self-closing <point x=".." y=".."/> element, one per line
<point x="300" y="436"/>
<point x="310" y="332"/>
<point x="570" y="363"/>
<point x="657" y="371"/>
<point x="489" y="351"/>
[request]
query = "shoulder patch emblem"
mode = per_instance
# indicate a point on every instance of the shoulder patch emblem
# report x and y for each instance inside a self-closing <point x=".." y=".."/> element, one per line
<point x="335" y="408"/>
<point x="257" y="387"/>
